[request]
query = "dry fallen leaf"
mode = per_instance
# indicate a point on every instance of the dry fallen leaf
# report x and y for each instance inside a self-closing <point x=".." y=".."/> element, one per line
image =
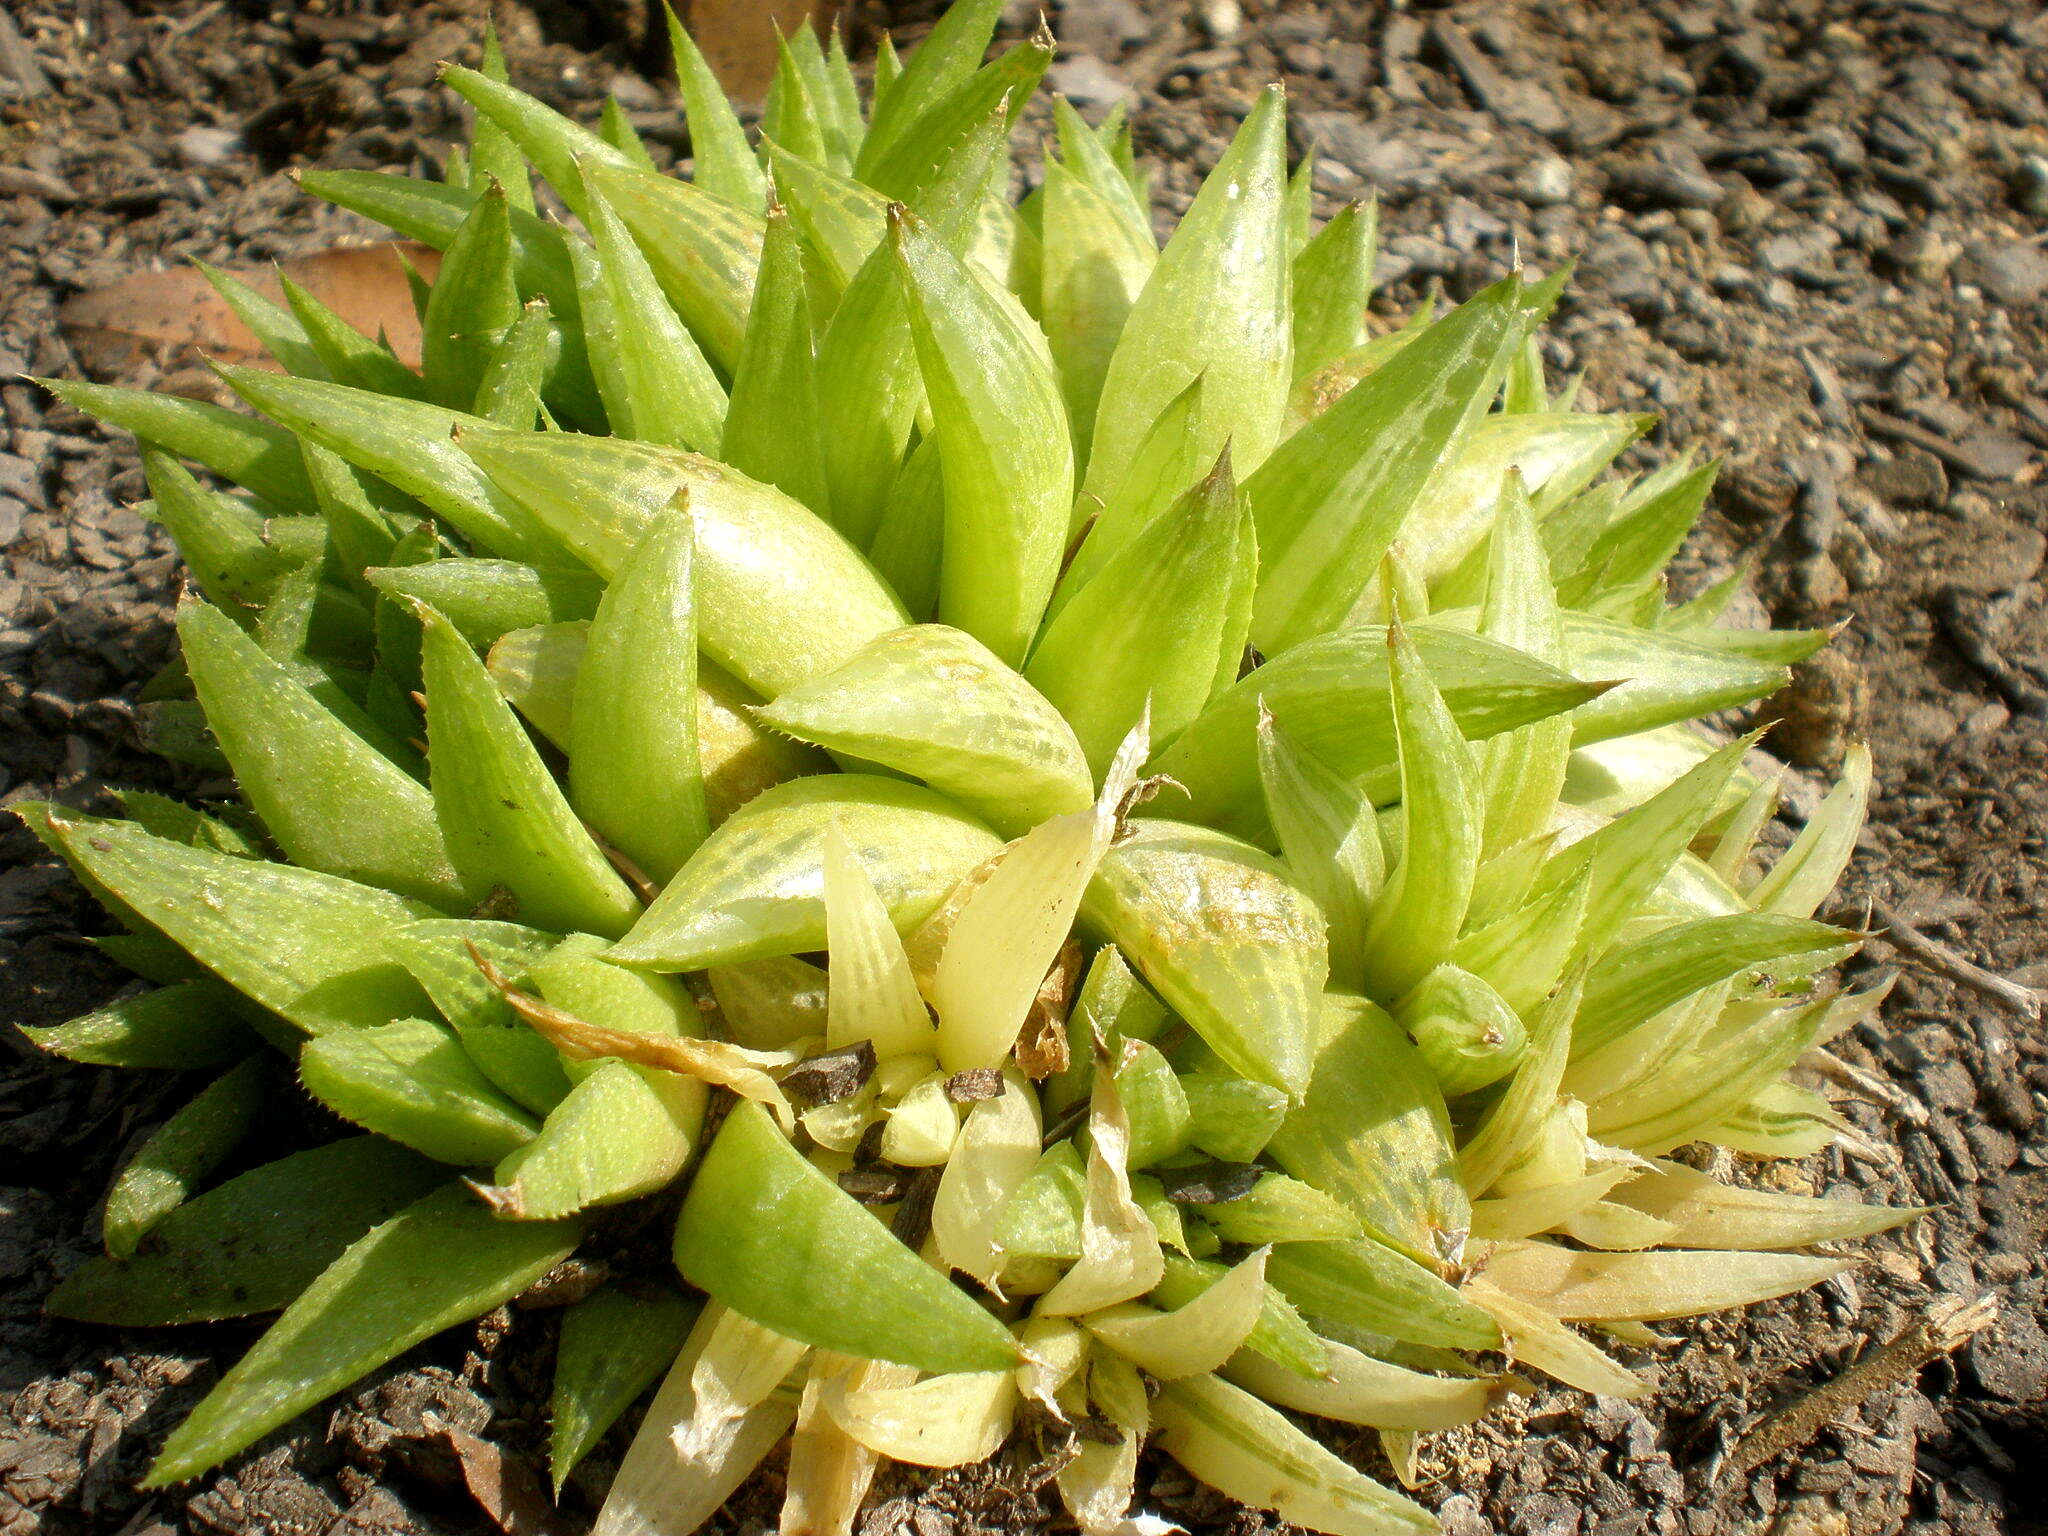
<point x="172" y="318"/>
<point x="738" y="38"/>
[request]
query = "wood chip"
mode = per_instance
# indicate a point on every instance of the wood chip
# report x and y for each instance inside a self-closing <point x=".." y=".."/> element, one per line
<point x="876" y="1183"/>
<point x="1209" y="1183"/>
<point x="976" y="1084"/>
<point x="505" y="1487"/>
<point x="830" y="1077"/>
<point x="1948" y="1325"/>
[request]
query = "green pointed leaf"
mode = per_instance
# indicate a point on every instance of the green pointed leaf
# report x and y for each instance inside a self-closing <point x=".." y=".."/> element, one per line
<point x="840" y="221"/>
<point x="757" y="885"/>
<point x="275" y="327"/>
<point x="620" y="1133"/>
<point x="259" y="456"/>
<point x="704" y="251"/>
<point x="1420" y="914"/>
<point x="559" y="148"/>
<point x="1146" y="628"/>
<point x="657" y="385"/>
<point x="185" y="1150"/>
<point x="1521" y="772"/>
<point x="1330" y="836"/>
<point x="1333" y="498"/>
<point x="1332" y="284"/>
<point x="408" y="443"/>
<point x="1006" y="461"/>
<point x="252" y="1244"/>
<point x="1332" y="695"/>
<point x="505" y="821"/>
<point x="487" y="599"/>
<point x="508" y="393"/>
<point x="870" y="388"/>
<point x="1638" y="545"/>
<point x="440" y="1261"/>
<point x="614" y="1344"/>
<point x="838" y="93"/>
<point x="1373" y="1133"/>
<point x="617" y="130"/>
<point x="949" y="55"/>
<point x="1216" y="306"/>
<point x="1095" y="266"/>
<point x="183" y="1026"/>
<point x="937" y="704"/>
<point x="1216" y="929"/>
<point x="1089" y="159"/>
<point x="915" y="160"/>
<point x="220" y="538"/>
<point x="781" y="597"/>
<point x="724" y="165"/>
<point x="1163" y="469"/>
<point x="633" y="770"/>
<point x="493" y="157"/>
<point x="411" y="1080"/>
<point x="771" y="427"/>
<point x="1366" y="1285"/>
<point x="473" y="302"/>
<point x="346" y="355"/>
<point x="789" y="117"/>
<point x="1642" y="980"/>
<point x="1807" y="871"/>
<point x="778" y="1242"/>
<point x="311" y="947"/>
<point x="332" y="800"/>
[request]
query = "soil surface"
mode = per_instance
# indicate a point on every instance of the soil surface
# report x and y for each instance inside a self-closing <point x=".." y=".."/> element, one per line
<point x="1811" y="234"/>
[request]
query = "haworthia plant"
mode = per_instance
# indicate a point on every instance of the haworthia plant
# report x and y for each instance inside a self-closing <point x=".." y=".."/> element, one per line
<point x="1129" y="829"/>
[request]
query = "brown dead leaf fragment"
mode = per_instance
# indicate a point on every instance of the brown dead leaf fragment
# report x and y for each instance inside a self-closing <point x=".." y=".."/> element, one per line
<point x="709" y="1061"/>
<point x="174" y="318"/>
<point x="739" y="36"/>
<point x="1042" y="1046"/>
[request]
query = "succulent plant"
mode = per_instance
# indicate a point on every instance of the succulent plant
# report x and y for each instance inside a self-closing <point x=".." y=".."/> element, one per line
<point x="1125" y="850"/>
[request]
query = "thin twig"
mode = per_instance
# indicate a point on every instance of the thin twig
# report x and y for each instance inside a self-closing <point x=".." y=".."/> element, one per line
<point x="2002" y="1081"/>
<point x="1947" y="1326"/>
<point x="1937" y="956"/>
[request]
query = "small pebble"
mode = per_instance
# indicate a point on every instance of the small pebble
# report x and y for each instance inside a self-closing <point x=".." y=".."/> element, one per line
<point x="1545" y="182"/>
<point x="204" y="147"/>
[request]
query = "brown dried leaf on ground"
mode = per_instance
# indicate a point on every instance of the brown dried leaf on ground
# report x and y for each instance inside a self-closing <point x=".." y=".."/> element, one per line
<point x="174" y="316"/>
<point x="738" y="37"/>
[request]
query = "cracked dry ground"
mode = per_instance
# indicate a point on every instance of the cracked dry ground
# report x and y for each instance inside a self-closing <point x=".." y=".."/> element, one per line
<point x="1810" y="234"/>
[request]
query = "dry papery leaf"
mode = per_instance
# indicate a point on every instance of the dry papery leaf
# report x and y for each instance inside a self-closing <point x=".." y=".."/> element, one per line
<point x="738" y="37"/>
<point x="174" y="318"/>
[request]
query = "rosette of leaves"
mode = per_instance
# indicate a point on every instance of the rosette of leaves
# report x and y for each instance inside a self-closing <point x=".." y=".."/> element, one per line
<point x="1136" y="848"/>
